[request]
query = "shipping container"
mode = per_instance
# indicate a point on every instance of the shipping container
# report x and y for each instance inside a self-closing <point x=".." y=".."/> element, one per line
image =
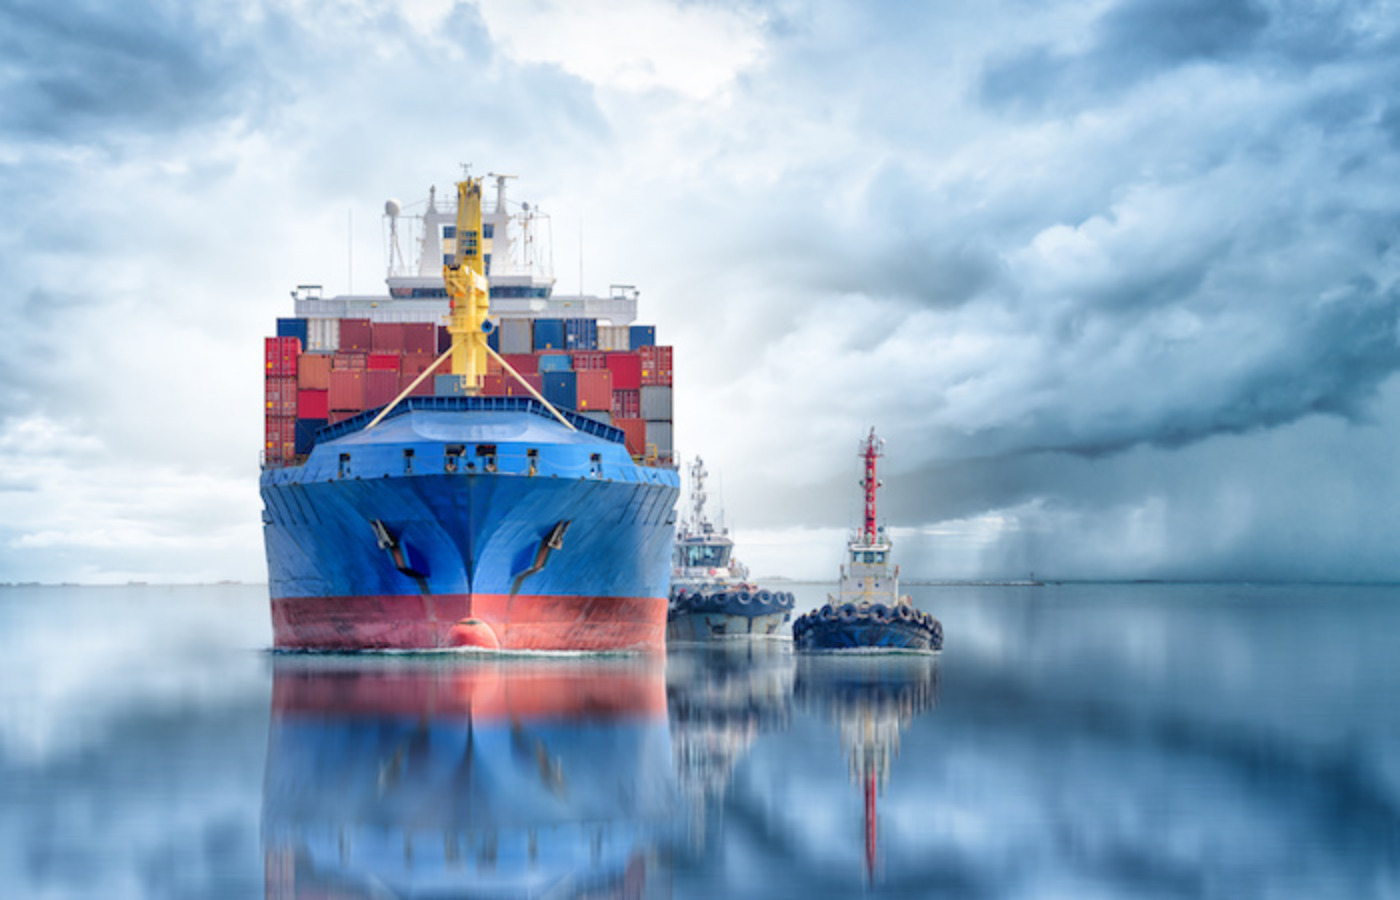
<point x="656" y="365"/>
<point x="313" y="404"/>
<point x="515" y="389"/>
<point x="450" y="385"/>
<point x="581" y="334"/>
<point x="348" y="359"/>
<point x="594" y="389"/>
<point x="524" y="363"/>
<point x="420" y="339"/>
<point x="347" y="391"/>
<point x="280" y="355"/>
<point x="554" y="361"/>
<point x="381" y="387"/>
<point x="323" y="335"/>
<point x="444" y="339"/>
<point x="280" y="439"/>
<point x="585" y="360"/>
<point x="382" y="362"/>
<point x="659" y="439"/>
<point x="656" y="403"/>
<point x="561" y="389"/>
<point x="635" y="432"/>
<point x="627" y="404"/>
<point x="306" y="433"/>
<point x="626" y="369"/>
<point x="639" y="336"/>
<point x="549" y="335"/>
<point x="280" y="396"/>
<point x="517" y="336"/>
<point x="293" y="328"/>
<point x="356" y="334"/>
<point x="493" y="386"/>
<point x="314" y="371"/>
<point x="424" y="388"/>
<point x="614" y="337"/>
<point x="386" y="337"/>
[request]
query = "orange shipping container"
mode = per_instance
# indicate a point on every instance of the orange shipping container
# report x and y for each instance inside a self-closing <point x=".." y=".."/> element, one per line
<point x="635" y="431"/>
<point x="314" y="371"/>
<point x="347" y="391"/>
<point x="594" y="390"/>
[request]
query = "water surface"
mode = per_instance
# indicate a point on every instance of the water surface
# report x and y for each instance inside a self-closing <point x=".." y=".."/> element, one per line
<point x="1071" y="741"/>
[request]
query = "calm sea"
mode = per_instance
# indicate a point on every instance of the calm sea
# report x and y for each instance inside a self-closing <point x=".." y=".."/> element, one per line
<point x="1075" y="741"/>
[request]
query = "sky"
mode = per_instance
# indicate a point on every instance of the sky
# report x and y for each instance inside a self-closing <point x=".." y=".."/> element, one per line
<point x="1114" y="280"/>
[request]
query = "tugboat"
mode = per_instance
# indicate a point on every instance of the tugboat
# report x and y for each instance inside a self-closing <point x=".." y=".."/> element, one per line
<point x="711" y="596"/>
<point x="868" y="612"/>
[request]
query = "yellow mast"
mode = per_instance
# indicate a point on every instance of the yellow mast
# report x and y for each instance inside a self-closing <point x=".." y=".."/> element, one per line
<point x="463" y="272"/>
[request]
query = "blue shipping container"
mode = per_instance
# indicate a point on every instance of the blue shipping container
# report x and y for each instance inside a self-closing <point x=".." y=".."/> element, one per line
<point x="561" y="389"/>
<point x="641" y="336"/>
<point x="293" y="328"/>
<point x="581" y="334"/>
<point x="450" y="385"/>
<point x="549" y="334"/>
<point x="306" y="434"/>
<point x="556" y="362"/>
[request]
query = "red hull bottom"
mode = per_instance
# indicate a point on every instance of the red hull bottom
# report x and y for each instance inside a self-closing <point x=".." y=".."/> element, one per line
<point x="522" y="622"/>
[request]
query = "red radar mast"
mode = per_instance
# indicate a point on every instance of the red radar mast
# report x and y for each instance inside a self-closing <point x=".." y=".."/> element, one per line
<point x="871" y="449"/>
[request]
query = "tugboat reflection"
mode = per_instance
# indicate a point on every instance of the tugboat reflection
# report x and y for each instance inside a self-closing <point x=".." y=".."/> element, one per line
<point x="720" y="697"/>
<point x="872" y="698"/>
<point x="470" y="777"/>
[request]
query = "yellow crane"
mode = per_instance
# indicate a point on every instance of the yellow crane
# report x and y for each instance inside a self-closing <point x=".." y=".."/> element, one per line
<point x="464" y="274"/>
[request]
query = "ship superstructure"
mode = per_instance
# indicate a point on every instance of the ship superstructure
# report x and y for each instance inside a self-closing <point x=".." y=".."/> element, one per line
<point x="711" y="595"/>
<point x="450" y="464"/>
<point x="868" y="610"/>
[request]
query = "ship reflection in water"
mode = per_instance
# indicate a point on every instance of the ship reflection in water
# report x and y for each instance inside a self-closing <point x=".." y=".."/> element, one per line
<point x="503" y="778"/>
<point x="871" y="699"/>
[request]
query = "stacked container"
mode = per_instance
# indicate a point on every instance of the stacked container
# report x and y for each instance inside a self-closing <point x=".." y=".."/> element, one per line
<point x="323" y="371"/>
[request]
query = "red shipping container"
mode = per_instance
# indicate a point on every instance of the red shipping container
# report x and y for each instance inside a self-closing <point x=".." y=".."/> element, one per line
<point x="626" y="369"/>
<point x="347" y="392"/>
<point x="494" y="386"/>
<point x="280" y="396"/>
<point x="340" y="415"/>
<point x="313" y="371"/>
<point x="587" y="360"/>
<point x="424" y="388"/>
<point x="420" y="338"/>
<point x="280" y="354"/>
<point x="356" y="334"/>
<point x="384" y="362"/>
<point x="515" y="389"/>
<point x="635" y="432"/>
<point x="386" y="337"/>
<point x="627" y="404"/>
<point x="313" y="404"/>
<point x="594" y="390"/>
<point x="381" y="387"/>
<point x="280" y="438"/>
<point x="524" y="363"/>
<point x="348" y="359"/>
<point x="656" y="365"/>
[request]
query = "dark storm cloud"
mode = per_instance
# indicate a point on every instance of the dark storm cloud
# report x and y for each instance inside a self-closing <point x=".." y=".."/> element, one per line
<point x="78" y="68"/>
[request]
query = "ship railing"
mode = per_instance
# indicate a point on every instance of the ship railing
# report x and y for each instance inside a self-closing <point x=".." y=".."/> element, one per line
<point x="471" y="404"/>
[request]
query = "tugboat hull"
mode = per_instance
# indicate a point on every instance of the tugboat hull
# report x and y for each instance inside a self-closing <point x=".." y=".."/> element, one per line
<point x="702" y="617"/>
<point x="874" y="629"/>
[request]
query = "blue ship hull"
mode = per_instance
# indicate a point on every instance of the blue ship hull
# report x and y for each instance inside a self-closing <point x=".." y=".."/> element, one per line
<point x="483" y="509"/>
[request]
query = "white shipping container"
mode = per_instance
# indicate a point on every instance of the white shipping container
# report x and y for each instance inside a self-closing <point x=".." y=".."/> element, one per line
<point x="659" y="436"/>
<point x="322" y="335"/>
<point x="614" y="337"/>
<point x="656" y="402"/>
<point x="517" y="336"/>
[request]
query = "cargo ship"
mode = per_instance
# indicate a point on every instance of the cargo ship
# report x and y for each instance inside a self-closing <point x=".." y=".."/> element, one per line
<point x="465" y="461"/>
<point x="868" y="612"/>
<point x="711" y="596"/>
